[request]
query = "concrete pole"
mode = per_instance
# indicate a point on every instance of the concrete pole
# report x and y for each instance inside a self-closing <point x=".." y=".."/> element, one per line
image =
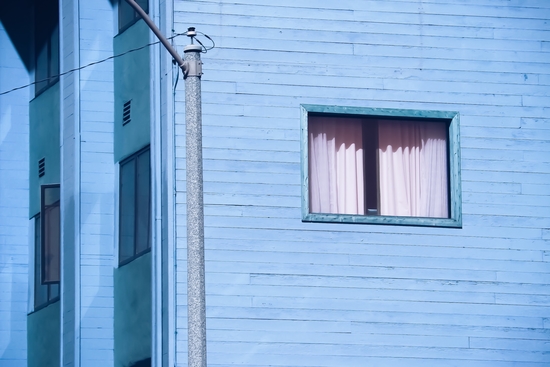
<point x="191" y="66"/>
<point x="196" y="303"/>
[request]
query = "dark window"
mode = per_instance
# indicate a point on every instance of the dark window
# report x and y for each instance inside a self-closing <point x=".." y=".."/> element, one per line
<point x="143" y="363"/>
<point x="50" y="233"/>
<point x="46" y="27"/>
<point x="127" y="15"/>
<point x="44" y="294"/>
<point x="135" y="206"/>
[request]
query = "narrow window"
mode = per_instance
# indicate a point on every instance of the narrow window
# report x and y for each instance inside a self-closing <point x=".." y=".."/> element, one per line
<point x="46" y="27"/>
<point x="372" y="168"/>
<point x="134" y="206"/>
<point x="50" y="234"/>
<point x="44" y="294"/>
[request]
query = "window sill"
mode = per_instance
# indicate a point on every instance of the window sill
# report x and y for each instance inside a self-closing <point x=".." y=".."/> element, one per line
<point x="129" y="260"/>
<point x="44" y="305"/>
<point x="127" y="26"/>
<point x="383" y="220"/>
<point x="54" y="81"/>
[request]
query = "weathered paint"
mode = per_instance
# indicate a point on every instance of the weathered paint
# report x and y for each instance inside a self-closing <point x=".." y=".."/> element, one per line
<point x="283" y="292"/>
<point x="133" y="315"/>
<point x="44" y="336"/>
<point x="133" y="83"/>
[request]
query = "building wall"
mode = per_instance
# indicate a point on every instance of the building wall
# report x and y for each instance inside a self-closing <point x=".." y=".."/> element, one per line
<point x="70" y="189"/>
<point x="97" y="184"/>
<point x="282" y="292"/>
<point x="133" y="281"/>
<point x="14" y="201"/>
<point x="43" y="143"/>
<point x="132" y="83"/>
<point x="43" y="337"/>
<point x="132" y="312"/>
<point x="88" y="183"/>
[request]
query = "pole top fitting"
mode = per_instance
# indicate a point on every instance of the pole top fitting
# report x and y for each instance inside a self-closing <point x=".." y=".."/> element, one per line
<point x="192" y="48"/>
<point x="191" y="33"/>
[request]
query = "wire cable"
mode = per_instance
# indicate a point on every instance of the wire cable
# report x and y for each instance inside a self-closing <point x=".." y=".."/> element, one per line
<point x="88" y="65"/>
<point x="211" y="40"/>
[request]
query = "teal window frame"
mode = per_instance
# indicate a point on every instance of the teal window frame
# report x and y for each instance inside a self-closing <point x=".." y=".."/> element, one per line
<point x="455" y="191"/>
<point x="44" y="294"/>
<point x="132" y="210"/>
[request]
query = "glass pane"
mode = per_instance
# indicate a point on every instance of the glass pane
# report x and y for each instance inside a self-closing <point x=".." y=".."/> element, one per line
<point x="50" y="214"/>
<point x="126" y="14"/>
<point x="127" y="210"/>
<point x="40" y="290"/>
<point x="50" y="195"/>
<point x="143" y="201"/>
<point x="41" y="68"/>
<point x="52" y="238"/>
<point x="413" y="168"/>
<point x="336" y="179"/>
<point x="54" y="56"/>
<point x="144" y="5"/>
<point x="54" y="291"/>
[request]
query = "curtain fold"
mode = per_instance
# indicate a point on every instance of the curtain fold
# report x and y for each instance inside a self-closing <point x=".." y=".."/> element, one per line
<point x="411" y="159"/>
<point x="336" y="166"/>
<point x="413" y="168"/>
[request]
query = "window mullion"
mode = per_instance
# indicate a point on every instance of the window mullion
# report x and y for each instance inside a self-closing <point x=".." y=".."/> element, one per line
<point x="136" y="208"/>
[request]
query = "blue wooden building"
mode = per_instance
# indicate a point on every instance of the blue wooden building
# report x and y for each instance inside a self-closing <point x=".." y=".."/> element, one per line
<point x="376" y="183"/>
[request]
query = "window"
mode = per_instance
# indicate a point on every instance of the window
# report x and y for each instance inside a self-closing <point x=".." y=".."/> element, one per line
<point x="134" y="206"/>
<point x="50" y="235"/>
<point x="46" y="28"/>
<point x="380" y="166"/>
<point x="127" y="15"/>
<point x="47" y="248"/>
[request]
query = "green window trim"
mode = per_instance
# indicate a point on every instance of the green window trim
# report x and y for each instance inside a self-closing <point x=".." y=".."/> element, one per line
<point x="455" y="191"/>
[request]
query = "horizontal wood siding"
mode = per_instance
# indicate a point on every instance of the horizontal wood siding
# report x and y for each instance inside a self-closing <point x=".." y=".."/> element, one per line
<point x="285" y="293"/>
<point x="14" y="200"/>
<point x="97" y="187"/>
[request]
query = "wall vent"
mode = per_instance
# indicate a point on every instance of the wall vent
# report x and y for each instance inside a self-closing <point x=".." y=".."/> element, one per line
<point x="41" y="167"/>
<point x="126" y="112"/>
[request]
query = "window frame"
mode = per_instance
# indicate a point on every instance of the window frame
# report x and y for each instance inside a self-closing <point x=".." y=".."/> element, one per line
<point x="51" y="297"/>
<point x="43" y="208"/>
<point x="134" y="157"/>
<point x="453" y="153"/>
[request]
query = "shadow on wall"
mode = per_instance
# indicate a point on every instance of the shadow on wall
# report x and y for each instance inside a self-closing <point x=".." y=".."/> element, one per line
<point x="16" y="20"/>
<point x="143" y="363"/>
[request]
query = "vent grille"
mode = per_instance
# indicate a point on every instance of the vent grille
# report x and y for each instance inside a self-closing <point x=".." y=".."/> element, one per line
<point x="41" y="167"/>
<point x="126" y="118"/>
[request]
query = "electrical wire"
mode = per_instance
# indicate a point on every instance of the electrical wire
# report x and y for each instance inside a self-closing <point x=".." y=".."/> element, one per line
<point x="95" y="63"/>
<point x="177" y="80"/>
<point x="211" y="40"/>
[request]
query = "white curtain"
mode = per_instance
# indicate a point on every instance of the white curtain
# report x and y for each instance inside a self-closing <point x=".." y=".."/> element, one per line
<point x="413" y="168"/>
<point x="335" y="166"/>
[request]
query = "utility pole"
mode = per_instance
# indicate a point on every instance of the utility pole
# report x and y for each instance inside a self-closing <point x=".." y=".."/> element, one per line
<point x="196" y="300"/>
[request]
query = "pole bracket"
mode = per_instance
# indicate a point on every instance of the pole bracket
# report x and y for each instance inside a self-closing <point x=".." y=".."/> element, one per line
<point x="192" y="68"/>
